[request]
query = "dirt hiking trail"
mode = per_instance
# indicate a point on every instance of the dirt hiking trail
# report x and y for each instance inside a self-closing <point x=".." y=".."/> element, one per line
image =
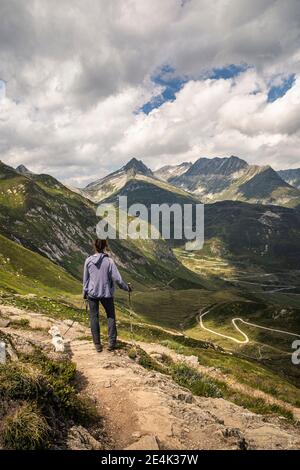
<point x="147" y="410"/>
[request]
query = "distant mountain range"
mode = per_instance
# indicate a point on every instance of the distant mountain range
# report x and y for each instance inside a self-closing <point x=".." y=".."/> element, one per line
<point x="264" y="233"/>
<point x="208" y="180"/>
<point x="136" y="173"/>
<point x="219" y="179"/>
<point x="43" y="215"/>
<point x="291" y="176"/>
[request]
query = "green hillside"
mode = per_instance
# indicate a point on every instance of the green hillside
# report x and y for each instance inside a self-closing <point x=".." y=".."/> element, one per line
<point x="46" y="217"/>
<point x="148" y="191"/>
<point x="23" y="271"/>
<point x="266" y="236"/>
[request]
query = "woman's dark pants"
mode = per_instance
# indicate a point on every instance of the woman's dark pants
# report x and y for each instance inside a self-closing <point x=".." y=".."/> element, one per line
<point x="109" y="307"/>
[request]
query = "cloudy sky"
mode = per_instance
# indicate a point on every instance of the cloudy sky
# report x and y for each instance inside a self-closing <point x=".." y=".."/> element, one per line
<point x="85" y="86"/>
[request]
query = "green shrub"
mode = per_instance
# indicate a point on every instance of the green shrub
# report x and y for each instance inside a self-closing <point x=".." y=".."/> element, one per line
<point x="26" y="429"/>
<point x="44" y="392"/>
<point x="132" y="354"/>
<point x="19" y="381"/>
<point x="60" y="377"/>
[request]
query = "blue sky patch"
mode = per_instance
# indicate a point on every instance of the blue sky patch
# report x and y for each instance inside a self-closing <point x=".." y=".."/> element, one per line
<point x="277" y="91"/>
<point x="171" y="84"/>
<point x="227" y="72"/>
<point x="2" y="88"/>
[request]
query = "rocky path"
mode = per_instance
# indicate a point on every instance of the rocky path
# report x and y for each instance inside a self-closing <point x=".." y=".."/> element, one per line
<point x="147" y="410"/>
<point x="157" y="349"/>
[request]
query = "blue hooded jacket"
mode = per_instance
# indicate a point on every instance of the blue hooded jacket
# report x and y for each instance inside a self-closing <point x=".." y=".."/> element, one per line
<point x="100" y="273"/>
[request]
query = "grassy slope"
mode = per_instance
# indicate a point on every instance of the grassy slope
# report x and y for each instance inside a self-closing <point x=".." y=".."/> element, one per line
<point x="24" y="271"/>
<point x="46" y="217"/>
<point x="177" y="308"/>
<point x="247" y="232"/>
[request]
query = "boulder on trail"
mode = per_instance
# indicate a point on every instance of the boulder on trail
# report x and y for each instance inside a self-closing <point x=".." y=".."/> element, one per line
<point x="144" y="443"/>
<point x="80" y="439"/>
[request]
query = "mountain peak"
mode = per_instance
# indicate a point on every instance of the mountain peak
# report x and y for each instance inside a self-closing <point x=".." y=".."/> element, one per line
<point x="23" y="170"/>
<point x="137" y="166"/>
<point x="217" y="165"/>
<point x="168" y="172"/>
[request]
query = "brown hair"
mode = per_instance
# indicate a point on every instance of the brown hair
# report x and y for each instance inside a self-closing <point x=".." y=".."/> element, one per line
<point x="100" y="245"/>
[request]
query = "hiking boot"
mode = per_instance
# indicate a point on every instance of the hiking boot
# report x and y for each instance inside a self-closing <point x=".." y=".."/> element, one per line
<point x="111" y="347"/>
<point x="98" y="348"/>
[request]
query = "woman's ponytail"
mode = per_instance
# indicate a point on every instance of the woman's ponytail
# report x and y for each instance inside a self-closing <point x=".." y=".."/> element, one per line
<point x="100" y="245"/>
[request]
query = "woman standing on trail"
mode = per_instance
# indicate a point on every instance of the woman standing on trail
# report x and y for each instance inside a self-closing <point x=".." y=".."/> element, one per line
<point x="100" y="273"/>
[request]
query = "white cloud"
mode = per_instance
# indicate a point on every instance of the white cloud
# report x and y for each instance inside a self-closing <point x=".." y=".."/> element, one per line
<point x="78" y="71"/>
<point x="220" y="117"/>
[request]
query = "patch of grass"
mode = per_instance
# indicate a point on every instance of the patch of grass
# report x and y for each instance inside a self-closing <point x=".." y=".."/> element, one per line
<point x="60" y="376"/>
<point x="167" y="360"/>
<point x="20" y="382"/>
<point x="44" y="392"/>
<point x="146" y="361"/>
<point x="250" y="373"/>
<point x="132" y="354"/>
<point x="84" y="338"/>
<point x="23" y="323"/>
<point x="25" y="429"/>
<point x="259" y="406"/>
<point x="202" y="385"/>
<point x="197" y="383"/>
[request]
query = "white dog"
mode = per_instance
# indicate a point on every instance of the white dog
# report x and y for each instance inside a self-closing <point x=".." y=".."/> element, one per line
<point x="57" y="339"/>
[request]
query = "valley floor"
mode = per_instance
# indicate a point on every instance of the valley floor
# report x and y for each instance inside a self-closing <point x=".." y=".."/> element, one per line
<point x="146" y="409"/>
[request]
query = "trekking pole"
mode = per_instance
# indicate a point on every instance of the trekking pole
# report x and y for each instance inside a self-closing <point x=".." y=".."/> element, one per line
<point x="130" y="314"/>
<point x="68" y="329"/>
<point x="87" y="309"/>
<point x="71" y="326"/>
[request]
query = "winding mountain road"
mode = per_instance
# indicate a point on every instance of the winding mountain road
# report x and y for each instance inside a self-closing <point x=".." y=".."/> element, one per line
<point x="237" y="328"/>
